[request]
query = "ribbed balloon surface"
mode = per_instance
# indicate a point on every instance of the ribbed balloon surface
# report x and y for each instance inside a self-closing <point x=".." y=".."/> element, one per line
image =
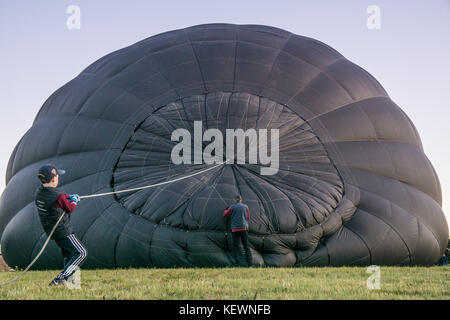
<point x="354" y="186"/>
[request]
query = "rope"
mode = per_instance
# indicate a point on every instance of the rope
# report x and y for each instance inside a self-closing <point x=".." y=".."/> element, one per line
<point x="152" y="185"/>
<point x="38" y="255"/>
<point x="100" y="195"/>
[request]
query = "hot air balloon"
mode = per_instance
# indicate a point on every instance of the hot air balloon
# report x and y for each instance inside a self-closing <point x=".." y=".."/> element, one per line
<point x="352" y="185"/>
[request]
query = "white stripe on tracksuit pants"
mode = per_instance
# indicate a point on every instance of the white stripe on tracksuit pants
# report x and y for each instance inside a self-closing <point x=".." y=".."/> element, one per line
<point x="82" y="254"/>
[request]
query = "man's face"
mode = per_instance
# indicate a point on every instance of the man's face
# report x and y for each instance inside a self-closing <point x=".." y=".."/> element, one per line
<point x="55" y="180"/>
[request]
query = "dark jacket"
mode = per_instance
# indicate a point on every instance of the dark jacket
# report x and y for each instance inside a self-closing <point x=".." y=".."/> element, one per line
<point x="240" y="216"/>
<point x="51" y="203"/>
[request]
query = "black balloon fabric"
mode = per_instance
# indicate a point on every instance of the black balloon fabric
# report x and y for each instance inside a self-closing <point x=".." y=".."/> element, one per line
<point x="353" y="185"/>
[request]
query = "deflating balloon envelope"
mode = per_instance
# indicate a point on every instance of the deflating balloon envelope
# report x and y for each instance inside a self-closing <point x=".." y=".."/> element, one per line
<point x="352" y="185"/>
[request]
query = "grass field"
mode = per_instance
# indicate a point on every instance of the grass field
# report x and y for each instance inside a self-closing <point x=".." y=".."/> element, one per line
<point x="236" y="283"/>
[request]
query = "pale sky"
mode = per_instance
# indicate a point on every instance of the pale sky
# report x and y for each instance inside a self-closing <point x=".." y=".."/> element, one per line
<point x="409" y="55"/>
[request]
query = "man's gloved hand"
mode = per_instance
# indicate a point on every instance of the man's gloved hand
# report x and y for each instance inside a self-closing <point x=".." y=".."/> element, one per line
<point x="74" y="198"/>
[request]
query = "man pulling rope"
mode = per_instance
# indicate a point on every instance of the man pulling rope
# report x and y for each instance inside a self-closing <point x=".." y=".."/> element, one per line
<point x="51" y="204"/>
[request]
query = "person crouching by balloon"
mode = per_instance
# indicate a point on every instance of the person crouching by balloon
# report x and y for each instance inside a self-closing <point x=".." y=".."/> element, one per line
<point x="240" y="216"/>
<point x="51" y="203"/>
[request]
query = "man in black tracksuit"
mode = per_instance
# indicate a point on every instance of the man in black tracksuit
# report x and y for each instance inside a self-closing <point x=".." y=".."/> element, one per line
<point x="51" y="203"/>
<point x="240" y="216"/>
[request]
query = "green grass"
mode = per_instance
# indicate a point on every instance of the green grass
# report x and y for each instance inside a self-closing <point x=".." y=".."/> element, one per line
<point x="236" y="283"/>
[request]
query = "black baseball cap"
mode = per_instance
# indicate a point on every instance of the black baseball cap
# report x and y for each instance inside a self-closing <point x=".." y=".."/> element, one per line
<point x="47" y="172"/>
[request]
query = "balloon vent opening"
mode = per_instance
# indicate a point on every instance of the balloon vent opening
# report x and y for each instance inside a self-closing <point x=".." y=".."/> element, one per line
<point x="288" y="194"/>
